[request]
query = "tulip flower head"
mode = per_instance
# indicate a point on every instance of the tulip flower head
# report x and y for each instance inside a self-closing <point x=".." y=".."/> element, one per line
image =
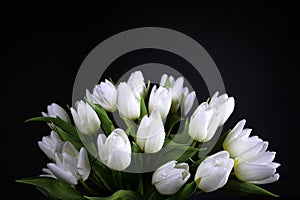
<point x="127" y="102"/>
<point x="55" y="110"/>
<point x="136" y="82"/>
<point x="51" y="144"/>
<point x="85" y="118"/>
<point x="253" y="163"/>
<point x="160" y="99"/>
<point x="115" y="150"/>
<point x="104" y="94"/>
<point x="170" y="177"/>
<point x="151" y="133"/>
<point x="70" y="165"/>
<point x="214" y="171"/>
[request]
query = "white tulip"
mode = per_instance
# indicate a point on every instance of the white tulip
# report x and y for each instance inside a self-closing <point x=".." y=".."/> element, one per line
<point x="170" y="177"/>
<point x="151" y="134"/>
<point x="160" y="99"/>
<point x="55" y="110"/>
<point x="179" y="94"/>
<point x="253" y="163"/>
<point x="104" y="94"/>
<point x="51" y="144"/>
<point x="70" y="165"/>
<point x="115" y="150"/>
<point x="238" y="140"/>
<point x="127" y="102"/>
<point x="223" y="105"/>
<point x="187" y="100"/>
<point x="136" y="82"/>
<point x="257" y="166"/>
<point x="85" y="118"/>
<point x="203" y="123"/>
<point x="214" y="171"/>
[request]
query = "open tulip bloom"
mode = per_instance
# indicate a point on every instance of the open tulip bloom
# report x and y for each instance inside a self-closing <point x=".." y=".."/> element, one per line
<point x="91" y="157"/>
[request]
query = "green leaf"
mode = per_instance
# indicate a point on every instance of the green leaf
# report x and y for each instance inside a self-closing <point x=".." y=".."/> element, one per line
<point x="219" y="145"/>
<point x="66" y="131"/>
<point x="247" y="188"/>
<point x="167" y="83"/>
<point x="102" y="175"/>
<point x="143" y="108"/>
<point x="120" y="195"/>
<point x="106" y="123"/>
<point x="172" y="120"/>
<point x="69" y="128"/>
<point x="68" y="137"/>
<point x="184" y="137"/>
<point x="54" y="187"/>
<point x="173" y="151"/>
<point x="131" y="127"/>
<point x="185" y="192"/>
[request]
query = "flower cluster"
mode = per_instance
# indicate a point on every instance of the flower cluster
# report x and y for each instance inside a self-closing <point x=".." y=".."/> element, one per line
<point x="90" y="154"/>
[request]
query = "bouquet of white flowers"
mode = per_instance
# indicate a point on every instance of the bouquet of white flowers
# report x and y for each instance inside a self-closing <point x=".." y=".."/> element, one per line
<point x="163" y="149"/>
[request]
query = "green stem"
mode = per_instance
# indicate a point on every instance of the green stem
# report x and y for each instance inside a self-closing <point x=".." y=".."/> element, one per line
<point x="86" y="186"/>
<point x="121" y="179"/>
<point x="194" y="143"/>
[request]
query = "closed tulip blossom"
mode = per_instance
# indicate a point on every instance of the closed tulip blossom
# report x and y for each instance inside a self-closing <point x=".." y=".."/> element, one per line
<point x="115" y="150"/>
<point x="160" y="99"/>
<point x="253" y="163"/>
<point x="187" y="100"/>
<point x="214" y="171"/>
<point x="170" y="177"/>
<point x="203" y="123"/>
<point x="223" y="105"/>
<point x="104" y="94"/>
<point x="180" y="95"/>
<point x="85" y="118"/>
<point x="151" y="133"/>
<point x="137" y="83"/>
<point x="55" y="110"/>
<point x="127" y="102"/>
<point x="70" y="165"/>
<point x="51" y="144"/>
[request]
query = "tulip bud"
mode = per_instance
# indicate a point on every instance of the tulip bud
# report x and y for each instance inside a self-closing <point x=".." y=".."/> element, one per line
<point x="136" y="82"/>
<point x="223" y="105"/>
<point x="170" y="177"/>
<point x="214" y="171"/>
<point x="51" y="144"/>
<point x="104" y="94"/>
<point x="187" y="100"/>
<point x="160" y="99"/>
<point x="70" y="165"/>
<point x="127" y="102"/>
<point x="180" y="96"/>
<point x="151" y="134"/>
<point x="203" y="123"/>
<point x="115" y="150"/>
<point x="55" y="110"/>
<point x="85" y="118"/>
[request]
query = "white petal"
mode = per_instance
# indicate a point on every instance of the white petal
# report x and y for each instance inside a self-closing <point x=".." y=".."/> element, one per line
<point x="270" y="179"/>
<point x="234" y="133"/>
<point x="188" y="102"/>
<point x="251" y="172"/>
<point x="101" y="148"/>
<point x="83" y="165"/>
<point x="214" y="181"/>
<point x="62" y="174"/>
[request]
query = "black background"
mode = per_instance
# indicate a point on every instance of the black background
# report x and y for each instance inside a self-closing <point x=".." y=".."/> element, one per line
<point x="253" y="45"/>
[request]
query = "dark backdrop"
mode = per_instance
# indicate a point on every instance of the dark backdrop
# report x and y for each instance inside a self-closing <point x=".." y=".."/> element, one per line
<point x="253" y="45"/>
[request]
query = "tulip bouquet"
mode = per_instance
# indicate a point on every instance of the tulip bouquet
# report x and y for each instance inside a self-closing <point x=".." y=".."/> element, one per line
<point x="150" y="155"/>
